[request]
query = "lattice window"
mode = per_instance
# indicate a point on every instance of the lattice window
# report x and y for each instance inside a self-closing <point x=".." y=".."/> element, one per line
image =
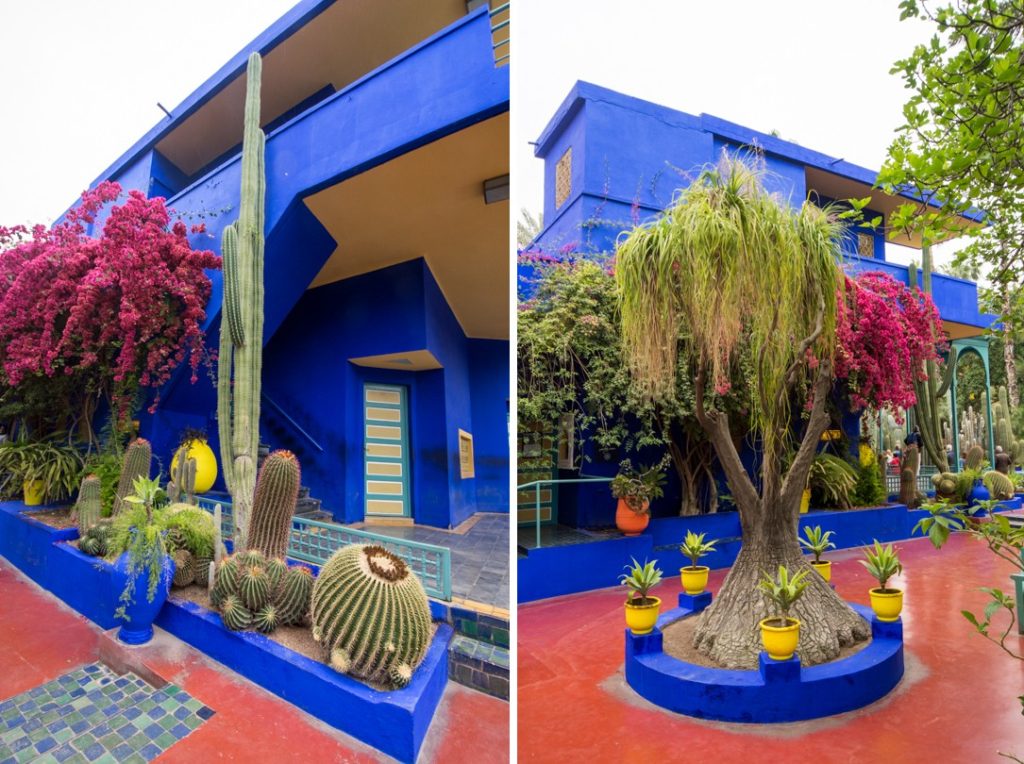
<point x="466" y="468"/>
<point x="563" y="178"/>
<point x="865" y="245"/>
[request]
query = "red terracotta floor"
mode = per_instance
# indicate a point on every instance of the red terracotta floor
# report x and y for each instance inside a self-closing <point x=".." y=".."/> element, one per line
<point x="41" y="639"/>
<point x="957" y="703"/>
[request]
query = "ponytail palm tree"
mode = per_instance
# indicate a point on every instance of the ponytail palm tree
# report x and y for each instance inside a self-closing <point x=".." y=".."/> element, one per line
<point x="751" y="285"/>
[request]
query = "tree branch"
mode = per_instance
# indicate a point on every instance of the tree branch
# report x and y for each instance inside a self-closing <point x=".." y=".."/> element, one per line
<point x="796" y="477"/>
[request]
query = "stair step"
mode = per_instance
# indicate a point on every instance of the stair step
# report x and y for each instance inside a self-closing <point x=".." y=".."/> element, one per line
<point x="479" y="665"/>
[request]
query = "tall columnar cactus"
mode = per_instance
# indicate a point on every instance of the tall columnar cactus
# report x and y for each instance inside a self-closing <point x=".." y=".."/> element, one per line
<point x="136" y="464"/>
<point x="908" y="477"/>
<point x="974" y="458"/>
<point x="241" y="335"/>
<point x="371" y="615"/>
<point x="182" y="487"/>
<point x="277" y="490"/>
<point x="88" y="503"/>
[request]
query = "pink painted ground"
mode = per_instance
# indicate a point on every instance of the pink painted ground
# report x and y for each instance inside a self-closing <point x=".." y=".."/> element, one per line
<point x="41" y="639"/>
<point x="958" y="702"/>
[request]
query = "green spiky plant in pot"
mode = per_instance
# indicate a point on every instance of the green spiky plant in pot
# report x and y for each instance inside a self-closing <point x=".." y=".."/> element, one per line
<point x="143" y="571"/>
<point x="694" y="577"/>
<point x="240" y="358"/>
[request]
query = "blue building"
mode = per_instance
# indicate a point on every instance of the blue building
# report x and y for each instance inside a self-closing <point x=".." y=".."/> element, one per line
<point x="386" y="304"/>
<point x="612" y="161"/>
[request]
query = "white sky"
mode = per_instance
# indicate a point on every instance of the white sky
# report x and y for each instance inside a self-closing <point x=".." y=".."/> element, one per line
<point x="815" y="70"/>
<point x="80" y="80"/>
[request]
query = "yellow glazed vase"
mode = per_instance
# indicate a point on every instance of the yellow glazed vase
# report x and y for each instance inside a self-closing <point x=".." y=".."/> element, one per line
<point x="887" y="604"/>
<point x="824" y="569"/>
<point x="206" y="464"/>
<point x="33" y="492"/>
<point x="694" y="578"/>
<point x="805" y="501"/>
<point x="641" y="618"/>
<point x="780" y="641"/>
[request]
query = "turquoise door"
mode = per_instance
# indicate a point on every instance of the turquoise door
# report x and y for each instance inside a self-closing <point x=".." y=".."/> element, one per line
<point x="386" y="452"/>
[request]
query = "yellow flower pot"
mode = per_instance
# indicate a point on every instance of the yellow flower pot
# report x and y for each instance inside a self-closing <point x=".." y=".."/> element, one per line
<point x="824" y="569"/>
<point x="206" y="464"/>
<point x="33" y="492"/>
<point x="780" y="641"/>
<point x="641" y="618"/>
<point x="887" y="603"/>
<point x="805" y="501"/>
<point x="694" y="578"/>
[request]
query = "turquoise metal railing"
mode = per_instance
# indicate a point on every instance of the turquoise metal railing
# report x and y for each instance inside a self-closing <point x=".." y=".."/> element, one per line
<point x="502" y="44"/>
<point x="536" y="485"/>
<point x="315" y="541"/>
<point x="924" y="480"/>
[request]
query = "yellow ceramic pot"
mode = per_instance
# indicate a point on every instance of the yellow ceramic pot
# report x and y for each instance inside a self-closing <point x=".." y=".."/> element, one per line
<point x="694" y="578"/>
<point x="641" y="618"/>
<point x="824" y="569"/>
<point x="780" y="641"/>
<point x="33" y="492"/>
<point x="805" y="501"/>
<point x="887" y="603"/>
<point x="206" y="463"/>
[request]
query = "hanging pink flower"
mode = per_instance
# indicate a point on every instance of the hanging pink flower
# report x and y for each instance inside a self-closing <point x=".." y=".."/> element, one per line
<point x="126" y="307"/>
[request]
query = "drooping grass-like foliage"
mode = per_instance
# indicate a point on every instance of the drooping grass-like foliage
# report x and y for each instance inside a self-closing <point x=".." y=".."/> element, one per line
<point x="734" y="270"/>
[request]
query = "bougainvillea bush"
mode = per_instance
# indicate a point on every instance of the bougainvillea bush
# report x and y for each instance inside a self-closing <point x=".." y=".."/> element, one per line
<point x="110" y="313"/>
<point x="884" y="334"/>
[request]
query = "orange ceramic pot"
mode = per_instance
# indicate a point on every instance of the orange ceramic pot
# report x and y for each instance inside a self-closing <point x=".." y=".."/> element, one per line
<point x="629" y="522"/>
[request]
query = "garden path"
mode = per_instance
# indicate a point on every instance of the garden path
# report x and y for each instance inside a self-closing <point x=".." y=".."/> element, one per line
<point x="41" y="640"/>
<point x="957" y="703"/>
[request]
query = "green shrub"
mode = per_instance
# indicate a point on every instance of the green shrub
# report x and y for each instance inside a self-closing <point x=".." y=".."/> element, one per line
<point x="832" y="482"/>
<point x="870" y="490"/>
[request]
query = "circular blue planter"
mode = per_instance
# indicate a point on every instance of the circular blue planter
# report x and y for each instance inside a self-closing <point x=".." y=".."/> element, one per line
<point x="140" y="614"/>
<point x="778" y="691"/>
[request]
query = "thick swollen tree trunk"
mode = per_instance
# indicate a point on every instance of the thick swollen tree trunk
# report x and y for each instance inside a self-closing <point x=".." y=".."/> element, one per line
<point x="728" y="630"/>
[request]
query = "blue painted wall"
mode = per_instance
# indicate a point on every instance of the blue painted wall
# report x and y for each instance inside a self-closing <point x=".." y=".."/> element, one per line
<point x="396" y="309"/>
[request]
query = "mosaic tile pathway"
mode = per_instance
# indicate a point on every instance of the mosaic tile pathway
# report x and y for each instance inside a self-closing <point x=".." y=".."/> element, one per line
<point x="93" y="715"/>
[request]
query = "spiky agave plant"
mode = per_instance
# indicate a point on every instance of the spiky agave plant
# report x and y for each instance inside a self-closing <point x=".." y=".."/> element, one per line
<point x="730" y="278"/>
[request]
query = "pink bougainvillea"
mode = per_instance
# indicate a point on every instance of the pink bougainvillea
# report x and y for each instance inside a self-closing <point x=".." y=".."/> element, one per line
<point x="885" y="333"/>
<point x="120" y="310"/>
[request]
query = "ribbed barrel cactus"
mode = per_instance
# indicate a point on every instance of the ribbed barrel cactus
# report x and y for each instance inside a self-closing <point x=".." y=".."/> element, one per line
<point x="998" y="484"/>
<point x="136" y="464"/>
<point x="277" y="490"/>
<point x="89" y="503"/>
<point x="945" y="485"/>
<point x="371" y="615"/>
<point x="253" y="591"/>
<point x="184" y="568"/>
<point x="96" y="539"/>
<point x="975" y="456"/>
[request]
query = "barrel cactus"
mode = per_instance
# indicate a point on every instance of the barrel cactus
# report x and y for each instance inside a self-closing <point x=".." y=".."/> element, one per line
<point x="975" y="456"/>
<point x="270" y="593"/>
<point x="95" y="542"/>
<point x="371" y="615"/>
<point x="184" y="568"/>
<point x="137" y="458"/>
<point x="277" y="489"/>
<point x="998" y="484"/>
<point x="88" y="503"/>
<point x="945" y="485"/>
<point x="202" y="574"/>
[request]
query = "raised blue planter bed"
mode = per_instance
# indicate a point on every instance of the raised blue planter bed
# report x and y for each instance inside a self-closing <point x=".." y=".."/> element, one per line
<point x="394" y="722"/>
<point x="558" y="570"/>
<point x="779" y="691"/>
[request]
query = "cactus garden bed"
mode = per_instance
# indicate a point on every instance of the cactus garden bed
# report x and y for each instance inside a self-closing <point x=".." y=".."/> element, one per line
<point x="55" y="518"/>
<point x="394" y="722"/>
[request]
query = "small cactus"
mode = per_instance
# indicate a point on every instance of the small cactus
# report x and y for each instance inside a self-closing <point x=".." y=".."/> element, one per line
<point x="235" y="614"/>
<point x="277" y="489"/>
<point x="371" y="615"/>
<point x="945" y="485"/>
<point x="202" y="574"/>
<point x="95" y="542"/>
<point x="270" y="591"/>
<point x="88" y="503"/>
<point x="184" y="568"/>
<point x="182" y="487"/>
<point x="136" y="464"/>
